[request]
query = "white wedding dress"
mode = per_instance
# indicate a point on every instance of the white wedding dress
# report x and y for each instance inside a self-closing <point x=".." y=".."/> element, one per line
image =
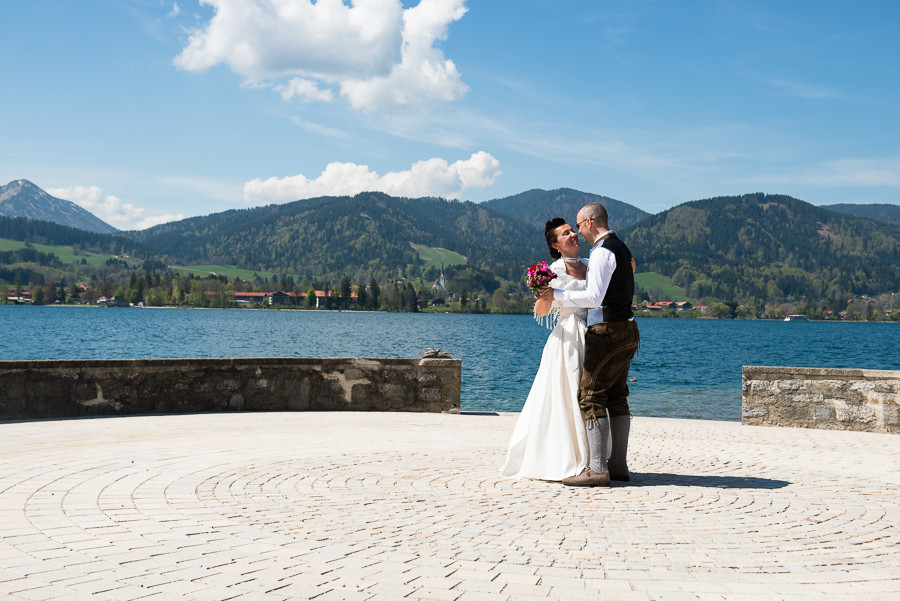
<point x="549" y="441"/>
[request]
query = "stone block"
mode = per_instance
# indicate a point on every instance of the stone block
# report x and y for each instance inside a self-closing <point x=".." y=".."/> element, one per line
<point x="806" y="398"/>
<point x="891" y="415"/>
<point x="430" y="395"/>
<point x="790" y="385"/>
<point x="753" y="413"/>
<point x="824" y="412"/>
<point x="762" y="385"/>
<point x="854" y="413"/>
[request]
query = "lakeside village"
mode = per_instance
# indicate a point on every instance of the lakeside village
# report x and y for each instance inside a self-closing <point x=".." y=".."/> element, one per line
<point x="191" y="291"/>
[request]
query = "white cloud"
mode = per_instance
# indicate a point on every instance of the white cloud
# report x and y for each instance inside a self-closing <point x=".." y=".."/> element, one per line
<point x="219" y="189"/>
<point x="433" y="177"/>
<point x="176" y="10"/>
<point x="791" y="88"/>
<point x="378" y="54"/>
<point x="844" y="172"/>
<point x="304" y="89"/>
<point x="423" y="76"/>
<point x="109" y="208"/>
<point x="318" y="129"/>
<point x="148" y="222"/>
<point x="802" y="90"/>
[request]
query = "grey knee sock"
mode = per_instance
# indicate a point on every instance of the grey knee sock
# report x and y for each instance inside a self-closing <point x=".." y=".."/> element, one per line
<point x="598" y="439"/>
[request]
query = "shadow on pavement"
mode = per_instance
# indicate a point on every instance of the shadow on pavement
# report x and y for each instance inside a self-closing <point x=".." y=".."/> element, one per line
<point x="640" y="479"/>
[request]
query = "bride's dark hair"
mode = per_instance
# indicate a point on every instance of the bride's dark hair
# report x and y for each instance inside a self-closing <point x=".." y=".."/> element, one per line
<point x="550" y="235"/>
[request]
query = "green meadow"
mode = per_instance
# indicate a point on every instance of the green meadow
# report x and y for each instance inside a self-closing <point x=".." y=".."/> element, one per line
<point x="65" y="253"/>
<point x="650" y="280"/>
<point x="435" y="257"/>
<point x="229" y="272"/>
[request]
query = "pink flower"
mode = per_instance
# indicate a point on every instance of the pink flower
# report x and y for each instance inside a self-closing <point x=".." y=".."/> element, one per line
<point x="539" y="275"/>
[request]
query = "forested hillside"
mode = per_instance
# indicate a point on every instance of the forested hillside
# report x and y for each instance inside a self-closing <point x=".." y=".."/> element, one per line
<point x="884" y="213"/>
<point x="538" y="206"/>
<point x="368" y="235"/>
<point x="45" y="232"/>
<point x="764" y="248"/>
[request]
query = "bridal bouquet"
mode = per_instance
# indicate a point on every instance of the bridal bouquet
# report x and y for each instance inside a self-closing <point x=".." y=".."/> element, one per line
<point x="539" y="275"/>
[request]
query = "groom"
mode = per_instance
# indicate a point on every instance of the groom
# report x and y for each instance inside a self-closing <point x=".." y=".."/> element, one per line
<point x="610" y="343"/>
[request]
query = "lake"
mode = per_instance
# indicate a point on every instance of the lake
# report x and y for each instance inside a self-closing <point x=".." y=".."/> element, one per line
<point x="686" y="368"/>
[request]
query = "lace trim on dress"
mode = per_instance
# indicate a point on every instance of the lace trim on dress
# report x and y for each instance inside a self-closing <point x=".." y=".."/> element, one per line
<point x="549" y="320"/>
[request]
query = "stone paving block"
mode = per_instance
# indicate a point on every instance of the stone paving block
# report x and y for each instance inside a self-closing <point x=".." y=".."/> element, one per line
<point x="126" y="593"/>
<point x="432" y="571"/>
<point x="575" y="593"/>
<point x="606" y="586"/>
<point x="436" y="583"/>
<point x="69" y="596"/>
<point x="473" y="565"/>
<point x="559" y="572"/>
<point x="475" y="575"/>
<point x="515" y="578"/>
<point x="571" y="582"/>
<point x="484" y="586"/>
<point x="100" y="585"/>
<point x="526" y="589"/>
<point x="212" y="593"/>
<point x="336" y="595"/>
<point x="257" y="596"/>
<point x="629" y="595"/>
<point x="430" y="594"/>
<point x="41" y="593"/>
<point x="673" y="596"/>
<point x="482" y="596"/>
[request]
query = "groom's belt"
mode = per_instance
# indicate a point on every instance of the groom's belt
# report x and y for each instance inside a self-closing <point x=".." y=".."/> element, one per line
<point x="613" y="324"/>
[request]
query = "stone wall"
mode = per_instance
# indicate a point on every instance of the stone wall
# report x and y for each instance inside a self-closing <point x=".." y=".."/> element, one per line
<point x="48" y="389"/>
<point x="831" y="399"/>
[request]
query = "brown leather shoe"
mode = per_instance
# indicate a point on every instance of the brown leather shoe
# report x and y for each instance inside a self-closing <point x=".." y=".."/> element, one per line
<point x="587" y="477"/>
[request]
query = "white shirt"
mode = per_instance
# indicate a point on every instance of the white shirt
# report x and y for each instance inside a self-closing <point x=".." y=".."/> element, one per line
<point x="601" y="265"/>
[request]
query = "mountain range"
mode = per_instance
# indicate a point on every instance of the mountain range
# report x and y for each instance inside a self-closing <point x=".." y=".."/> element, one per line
<point x="538" y="206"/>
<point x="761" y="246"/>
<point x="757" y="247"/>
<point x="370" y="234"/>
<point x="21" y="198"/>
<point x="879" y="212"/>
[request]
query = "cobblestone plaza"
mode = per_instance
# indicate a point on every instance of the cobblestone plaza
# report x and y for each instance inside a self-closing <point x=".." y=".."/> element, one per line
<point x="386" y="506"/>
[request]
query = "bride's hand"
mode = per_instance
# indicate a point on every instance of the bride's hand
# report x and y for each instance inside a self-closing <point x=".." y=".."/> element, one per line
<point x="543" y="300"/>
<point x="544" y="293"/>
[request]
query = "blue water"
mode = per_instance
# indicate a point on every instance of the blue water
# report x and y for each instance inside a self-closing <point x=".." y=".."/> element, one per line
<point x="688" y="368"/>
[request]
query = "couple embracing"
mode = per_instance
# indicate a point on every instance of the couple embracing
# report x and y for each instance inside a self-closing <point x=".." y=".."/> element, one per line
<point x="575" y="423"/>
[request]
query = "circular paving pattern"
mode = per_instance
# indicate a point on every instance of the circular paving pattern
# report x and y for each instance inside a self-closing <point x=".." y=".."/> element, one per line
<point x="389" y="506"/>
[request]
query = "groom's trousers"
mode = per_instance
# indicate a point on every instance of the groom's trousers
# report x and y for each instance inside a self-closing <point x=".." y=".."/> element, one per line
<point x="608" y="350"/>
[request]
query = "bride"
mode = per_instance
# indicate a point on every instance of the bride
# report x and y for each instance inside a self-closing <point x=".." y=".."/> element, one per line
<point x="549" y="441"/>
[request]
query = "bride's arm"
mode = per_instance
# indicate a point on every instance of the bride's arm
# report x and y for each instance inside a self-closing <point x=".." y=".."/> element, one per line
<point x="542" y="306"/>
<point x="544" y="300"/>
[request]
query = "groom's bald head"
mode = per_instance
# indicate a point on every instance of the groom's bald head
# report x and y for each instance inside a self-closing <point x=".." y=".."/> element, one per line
<point x="596" y="212"/>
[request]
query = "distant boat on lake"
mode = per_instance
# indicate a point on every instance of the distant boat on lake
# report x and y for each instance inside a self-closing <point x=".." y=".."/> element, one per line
<point x="796" y="318"/>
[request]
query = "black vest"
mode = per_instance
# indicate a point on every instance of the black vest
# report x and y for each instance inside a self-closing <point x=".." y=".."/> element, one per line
<point x="620" y="293"/>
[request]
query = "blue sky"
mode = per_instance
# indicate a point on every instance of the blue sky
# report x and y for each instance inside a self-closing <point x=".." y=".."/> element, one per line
<point x="144" y="111"/>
